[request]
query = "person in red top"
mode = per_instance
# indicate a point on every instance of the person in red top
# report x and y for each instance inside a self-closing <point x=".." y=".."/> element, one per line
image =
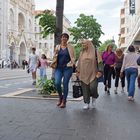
<point x="109" y="61"/>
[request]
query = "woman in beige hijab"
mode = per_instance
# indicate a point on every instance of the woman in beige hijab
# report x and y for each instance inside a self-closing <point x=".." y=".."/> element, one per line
<point x="88" y="73"/>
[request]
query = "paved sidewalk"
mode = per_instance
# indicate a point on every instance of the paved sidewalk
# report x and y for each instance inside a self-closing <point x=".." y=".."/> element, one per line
<point x="114" y="118"/>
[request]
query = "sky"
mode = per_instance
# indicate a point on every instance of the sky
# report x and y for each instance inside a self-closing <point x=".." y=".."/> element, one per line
<point x="107" y="13"/>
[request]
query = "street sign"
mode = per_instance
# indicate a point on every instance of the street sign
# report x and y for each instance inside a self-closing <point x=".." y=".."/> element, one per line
<point x="132" y="7"/>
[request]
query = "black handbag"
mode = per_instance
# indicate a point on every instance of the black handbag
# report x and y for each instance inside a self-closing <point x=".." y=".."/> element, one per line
<point x="77" y="89"/>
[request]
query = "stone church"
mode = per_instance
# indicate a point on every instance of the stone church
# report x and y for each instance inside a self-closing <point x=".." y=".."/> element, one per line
<point x="16" y="29"/>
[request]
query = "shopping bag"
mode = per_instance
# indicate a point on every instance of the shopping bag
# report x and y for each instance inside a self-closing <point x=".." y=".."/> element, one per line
<point x="77" y="89"/>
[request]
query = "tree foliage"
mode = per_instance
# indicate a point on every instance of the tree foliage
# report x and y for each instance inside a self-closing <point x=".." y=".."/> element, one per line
<point x="47" y="22"/>
<point x="77" y="48"/>
<point x="87" y="27"/>
<point x="103" y="46"/>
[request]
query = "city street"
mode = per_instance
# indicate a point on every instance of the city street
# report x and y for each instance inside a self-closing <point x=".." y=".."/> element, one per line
<point x="37" y="32"/>
<point x="15" y="80"/>
<point x="115" y="118"/>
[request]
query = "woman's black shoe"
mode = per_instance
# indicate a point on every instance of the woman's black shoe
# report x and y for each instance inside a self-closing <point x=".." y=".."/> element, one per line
<point x="108" y="92"/>
<point x="105" y="88"/>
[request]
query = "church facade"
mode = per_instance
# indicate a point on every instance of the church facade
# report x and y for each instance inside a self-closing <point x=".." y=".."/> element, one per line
<point x="17" y="30"/>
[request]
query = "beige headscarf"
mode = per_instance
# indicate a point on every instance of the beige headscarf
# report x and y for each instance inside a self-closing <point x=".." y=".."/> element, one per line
<point x="87" y="64"/>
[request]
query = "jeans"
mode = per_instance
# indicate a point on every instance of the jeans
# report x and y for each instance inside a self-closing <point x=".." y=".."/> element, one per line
<point x="66" y="74"/>
<point x="131" y="75"/>
<point x="43" y="74"/>
<point x="117" y="77"/>
<point x="108" y="71"/>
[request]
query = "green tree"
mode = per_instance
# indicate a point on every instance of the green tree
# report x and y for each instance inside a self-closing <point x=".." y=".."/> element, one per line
<point x="87" y="27"/>
<point x="47" y="22"/>
<point x="103" y="46"/>
<point x="77" y="48"/>
<point x="52" y="24"/>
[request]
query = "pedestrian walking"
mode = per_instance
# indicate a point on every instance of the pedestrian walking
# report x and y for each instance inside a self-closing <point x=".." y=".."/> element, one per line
<point x="64" y="69"/>
<point x="88" y="73"/>
<point x="33" y="63"/>
<point x="42" y="68"/>
<point x="23" y="64"/>
<point x="108" y="57"/>
<point x="131" y="71"/>
<point x="26" y="64"/>
<point x="118" y="64"/>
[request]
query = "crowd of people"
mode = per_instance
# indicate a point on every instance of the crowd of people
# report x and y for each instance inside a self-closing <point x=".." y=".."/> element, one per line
<point x="12" y="64"/>
<point x="116" y="65"/>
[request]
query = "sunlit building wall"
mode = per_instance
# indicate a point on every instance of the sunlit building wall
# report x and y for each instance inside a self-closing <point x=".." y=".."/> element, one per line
<point x="130" y="25"/>
<point x="3" y="28"/>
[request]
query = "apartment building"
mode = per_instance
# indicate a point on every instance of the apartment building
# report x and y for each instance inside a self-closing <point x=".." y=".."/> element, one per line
<point x="130" y="24"/>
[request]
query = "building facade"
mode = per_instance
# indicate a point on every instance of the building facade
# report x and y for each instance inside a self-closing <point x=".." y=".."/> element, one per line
<point x="20" y="29"/>
<point x="3" y="28"/>
<point x="46" y="45"/>
<point x="130" y="24"/>
<point x="16" y="29"/>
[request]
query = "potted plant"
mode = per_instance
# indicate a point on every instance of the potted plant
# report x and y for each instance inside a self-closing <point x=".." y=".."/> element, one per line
<point x="47" y="88"/>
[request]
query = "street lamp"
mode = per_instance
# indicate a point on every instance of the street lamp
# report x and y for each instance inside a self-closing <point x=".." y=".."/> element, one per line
<point x="113" y="41"/>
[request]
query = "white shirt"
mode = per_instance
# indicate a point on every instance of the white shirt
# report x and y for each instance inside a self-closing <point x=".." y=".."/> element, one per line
<point x="130" y="61"/>
<point x="33" y="59"/>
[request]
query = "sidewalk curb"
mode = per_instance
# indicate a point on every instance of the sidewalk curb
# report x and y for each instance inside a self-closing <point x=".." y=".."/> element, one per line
<point x="15" y="95"/>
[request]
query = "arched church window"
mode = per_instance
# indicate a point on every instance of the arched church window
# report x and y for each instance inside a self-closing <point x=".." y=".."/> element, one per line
<point x="11" y="19"/>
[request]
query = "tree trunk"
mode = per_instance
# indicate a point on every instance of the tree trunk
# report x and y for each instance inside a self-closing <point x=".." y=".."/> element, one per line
<point x="59" y="21"/>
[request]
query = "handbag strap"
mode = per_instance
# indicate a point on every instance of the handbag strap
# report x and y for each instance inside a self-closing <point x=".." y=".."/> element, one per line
<point x="96" y="57"/>
<point x="97" y="62"/>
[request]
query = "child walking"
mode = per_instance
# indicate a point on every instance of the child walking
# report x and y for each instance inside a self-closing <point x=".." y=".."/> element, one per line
<point x="43" y="66"/>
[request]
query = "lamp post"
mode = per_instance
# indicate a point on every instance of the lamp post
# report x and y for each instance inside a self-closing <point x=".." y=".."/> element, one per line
<point x="113" y="41"/>
<point x="59" y="20"/>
